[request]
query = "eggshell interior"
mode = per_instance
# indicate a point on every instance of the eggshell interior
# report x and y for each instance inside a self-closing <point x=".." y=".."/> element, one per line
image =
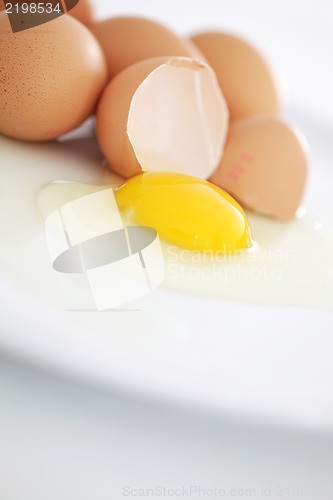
<point x="177" y="120"/>
<point x="163" y="115"/>
<point x="264" y="166"/>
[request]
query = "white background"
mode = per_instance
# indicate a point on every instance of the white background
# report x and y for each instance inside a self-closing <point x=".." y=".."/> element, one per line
<point x="63" y="441"/>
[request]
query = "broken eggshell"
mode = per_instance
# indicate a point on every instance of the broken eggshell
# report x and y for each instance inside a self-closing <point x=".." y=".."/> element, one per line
<point x="264" y="166"/>
<point x="164" y="114"/>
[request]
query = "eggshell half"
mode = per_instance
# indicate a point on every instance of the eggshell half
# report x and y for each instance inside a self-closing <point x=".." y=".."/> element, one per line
<point x="248" y="83"/>
<point x="50" y="78"/>
<point x="164" y="114"/>
<point x="264" y="166"/>
<point x="128" y="40"/>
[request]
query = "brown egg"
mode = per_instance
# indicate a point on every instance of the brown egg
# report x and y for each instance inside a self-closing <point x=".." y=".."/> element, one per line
<point x="128" y="40"/>
<point x="195" y="53"/>
<point x="264" y="166"/>
<point x="164" y="114"/>
<point x="83" y="12"/>
<point x="246" y="79"/>
<point x="51" y="78"/>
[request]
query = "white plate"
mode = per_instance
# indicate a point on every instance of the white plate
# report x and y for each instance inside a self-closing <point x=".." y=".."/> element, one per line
<point x="265" y="362"/>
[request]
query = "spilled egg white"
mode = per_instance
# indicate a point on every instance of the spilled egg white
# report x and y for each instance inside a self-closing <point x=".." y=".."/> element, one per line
<point x="278" y="270"/>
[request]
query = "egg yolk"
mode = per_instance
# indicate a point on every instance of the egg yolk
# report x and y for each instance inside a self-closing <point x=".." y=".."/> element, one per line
<point x="185" y="211"/>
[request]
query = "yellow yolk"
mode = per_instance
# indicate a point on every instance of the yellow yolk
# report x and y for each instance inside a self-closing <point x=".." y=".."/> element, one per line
<point x="186" y="211"/>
